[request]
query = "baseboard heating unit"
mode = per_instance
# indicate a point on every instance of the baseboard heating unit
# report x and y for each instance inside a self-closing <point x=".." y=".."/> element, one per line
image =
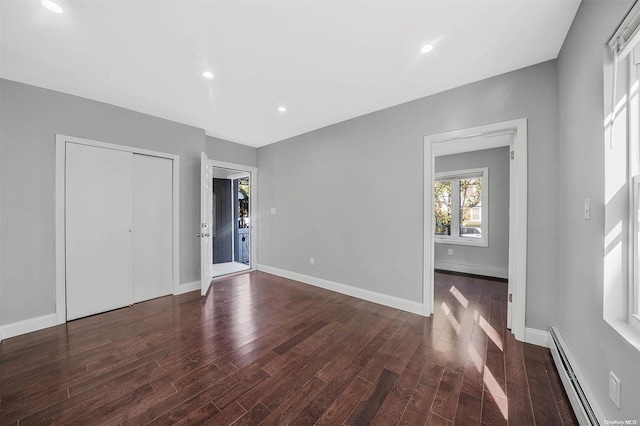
<point x="587" y="413"/>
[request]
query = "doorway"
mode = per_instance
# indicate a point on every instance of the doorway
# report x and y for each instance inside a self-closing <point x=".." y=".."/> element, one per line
<point x="231" y="237"/>
<point x="514" y="135"/>
<point x="227" y="230"/>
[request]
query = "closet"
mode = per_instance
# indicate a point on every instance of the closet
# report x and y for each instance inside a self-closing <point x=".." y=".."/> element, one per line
<point x="118" y="228"/>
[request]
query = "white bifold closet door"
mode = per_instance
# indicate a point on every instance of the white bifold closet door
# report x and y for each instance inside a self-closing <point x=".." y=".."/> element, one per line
<point x="118" y="228"/>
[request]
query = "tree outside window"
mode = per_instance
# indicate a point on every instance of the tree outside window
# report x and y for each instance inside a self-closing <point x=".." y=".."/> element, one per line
<point x="459" y="206"/>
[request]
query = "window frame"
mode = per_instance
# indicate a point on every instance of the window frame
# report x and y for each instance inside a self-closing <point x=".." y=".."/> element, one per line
<point x="633" y="179"/>
<point x="454" y="238"/>
<point x="634" y="261"/>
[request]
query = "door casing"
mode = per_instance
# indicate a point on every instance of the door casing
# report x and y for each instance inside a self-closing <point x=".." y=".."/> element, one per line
<point x="253" y="209"/>
<point x="517" y="217"/>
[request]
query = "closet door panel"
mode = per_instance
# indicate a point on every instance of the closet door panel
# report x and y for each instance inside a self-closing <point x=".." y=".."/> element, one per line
<point x="152" y="227"/>
<point x="98" y="223"/>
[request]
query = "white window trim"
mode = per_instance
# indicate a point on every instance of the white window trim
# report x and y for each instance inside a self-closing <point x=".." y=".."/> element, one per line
<point x="634" y="262"/>
<point x="454" y="239"/>
<point x="620" y="308"/>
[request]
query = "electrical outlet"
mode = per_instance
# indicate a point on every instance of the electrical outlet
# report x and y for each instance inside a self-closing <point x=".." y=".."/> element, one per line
<point x="450" y="252"/>
<point x="614" y="389"/>
<point x="312" y="261"/>
<point x="273" y="210"/>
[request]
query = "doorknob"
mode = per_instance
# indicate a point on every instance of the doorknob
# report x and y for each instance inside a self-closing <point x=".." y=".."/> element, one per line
<point x="198" y="235"/>
<point x="206" y="235"/>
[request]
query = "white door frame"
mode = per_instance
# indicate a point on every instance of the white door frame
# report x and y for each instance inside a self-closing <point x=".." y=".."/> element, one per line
<point x="517" y="216"/>
<point x="60" y="242"/>
<point x="253" y="205"/>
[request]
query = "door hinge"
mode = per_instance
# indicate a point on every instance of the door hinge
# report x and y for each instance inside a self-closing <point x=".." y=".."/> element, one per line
<point x="510" y="298"/>
<point x="512" y="154"/>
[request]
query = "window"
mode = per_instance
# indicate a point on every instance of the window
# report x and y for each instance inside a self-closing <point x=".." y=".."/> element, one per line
<point x="633" y="152"/>
<point x="635" y="256"/>
<point x="460" y="207"/>
<point x="621" y="292"/>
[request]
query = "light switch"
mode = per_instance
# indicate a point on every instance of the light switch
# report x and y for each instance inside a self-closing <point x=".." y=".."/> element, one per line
<point x="273" y="210"/>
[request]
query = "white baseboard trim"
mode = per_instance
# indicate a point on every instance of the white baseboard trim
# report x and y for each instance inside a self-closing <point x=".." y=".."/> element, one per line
<point x="28" y="326"/>
<point x="187" y="287"/>
<point x="472" y="269"/>
<point x="585" y="405"/>
<point x="371" y="296"/>
<point x="536" y="337"/>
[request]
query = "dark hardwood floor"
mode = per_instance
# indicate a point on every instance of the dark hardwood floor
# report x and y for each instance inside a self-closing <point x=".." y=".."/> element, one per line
<point x="260" y="349"/>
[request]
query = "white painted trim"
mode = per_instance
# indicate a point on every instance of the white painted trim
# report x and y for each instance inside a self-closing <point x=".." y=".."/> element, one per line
<point x="61" y="232"/>
<point x="517" y="220"/>
<point x="486" y="271"/>
<point x="536" y="337"/>
<point x="253" y="204"/>
<point x="568" y="381"/>
<point x="371" y="296"/>
<point x="28" y="326"/>
<point x="176" y="223"/>
<point x="60" y="243"/>
<point x="231" y="274"/>
<point x="187" y="287"/>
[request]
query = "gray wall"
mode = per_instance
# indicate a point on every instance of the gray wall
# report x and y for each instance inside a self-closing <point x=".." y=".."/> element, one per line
<point x="351" y="194"/>
<point x="597" y="348"/>
<point x="30" y="117"/>
<point x="494" y="259"/>
<point x="221" y="150"/>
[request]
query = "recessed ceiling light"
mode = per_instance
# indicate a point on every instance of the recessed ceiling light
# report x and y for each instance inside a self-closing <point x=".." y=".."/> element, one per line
<point x="52" y="6"/>
<point x="426" y="48"/>
<point x="207" y="74"/>
<point x="282" y="109"/>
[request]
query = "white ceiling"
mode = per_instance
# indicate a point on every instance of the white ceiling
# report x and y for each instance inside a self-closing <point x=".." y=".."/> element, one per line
<point x="325" y="62"/>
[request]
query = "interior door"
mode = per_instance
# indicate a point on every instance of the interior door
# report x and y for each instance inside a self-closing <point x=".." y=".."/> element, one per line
<point x="206" y="221"/>
<point x="98" y="223"/>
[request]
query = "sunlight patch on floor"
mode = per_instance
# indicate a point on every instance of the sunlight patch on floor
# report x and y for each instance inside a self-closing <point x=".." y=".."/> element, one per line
<point x="456" y="293"/>
<point x="491" y="332"/>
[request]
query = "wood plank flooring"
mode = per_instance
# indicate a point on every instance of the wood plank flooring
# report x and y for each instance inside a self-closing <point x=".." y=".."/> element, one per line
<point x="260" y="349"/>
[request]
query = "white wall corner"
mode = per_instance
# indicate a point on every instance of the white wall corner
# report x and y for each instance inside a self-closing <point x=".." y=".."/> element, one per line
<point x="370" y="296"/>
<point x="27" y="326"/>
<point x="536" y="337"/>
<point x="187" y="287"/>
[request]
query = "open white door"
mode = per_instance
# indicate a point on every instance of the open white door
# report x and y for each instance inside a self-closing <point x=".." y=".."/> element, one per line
<point x="206" y="222"/>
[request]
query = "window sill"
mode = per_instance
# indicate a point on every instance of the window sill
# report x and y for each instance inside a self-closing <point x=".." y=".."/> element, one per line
<point x="462" y="241"/>
<point x="627" y="331"/>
